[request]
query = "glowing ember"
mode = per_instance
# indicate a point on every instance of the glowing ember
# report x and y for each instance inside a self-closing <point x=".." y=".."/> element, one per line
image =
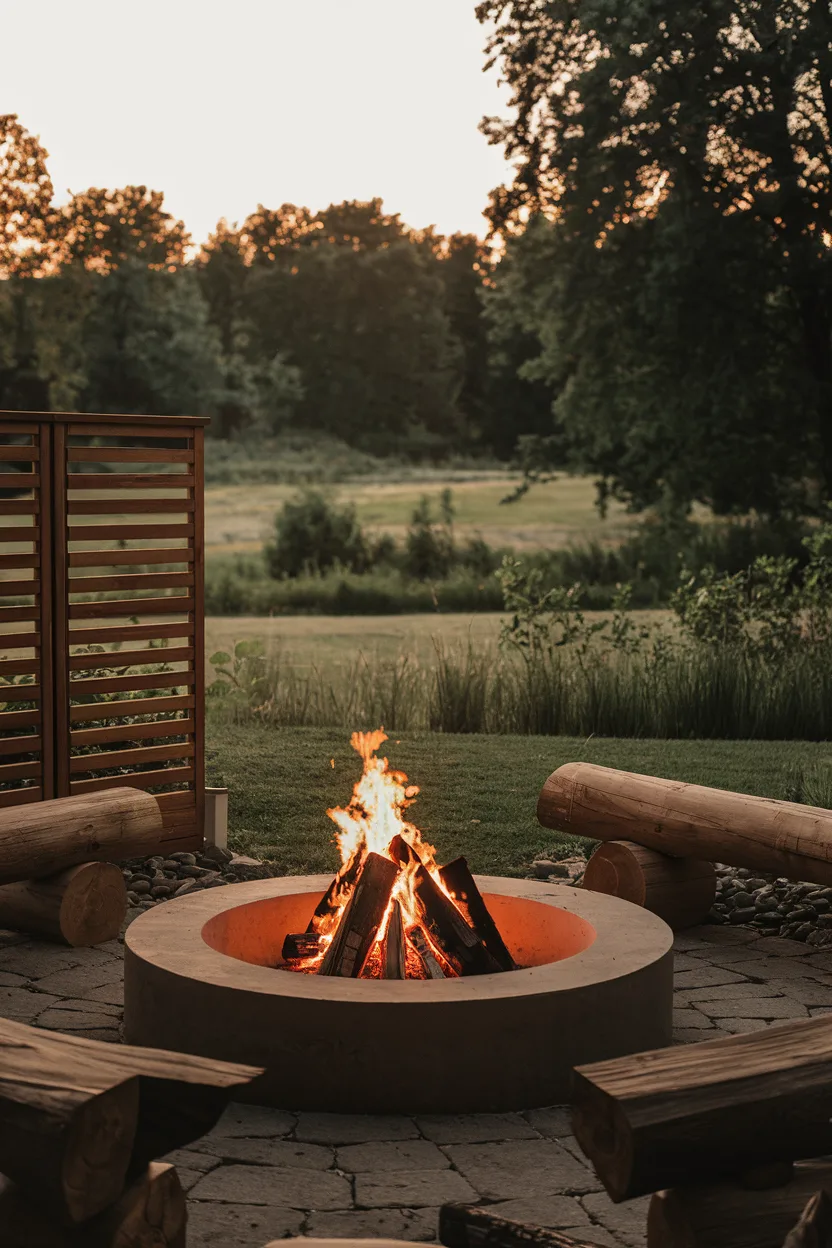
<point x="388" y="912"/>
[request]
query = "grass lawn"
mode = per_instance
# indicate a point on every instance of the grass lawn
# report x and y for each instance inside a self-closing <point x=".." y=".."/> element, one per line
<point x="478" y="793"/>
<point x="238" y="517"/>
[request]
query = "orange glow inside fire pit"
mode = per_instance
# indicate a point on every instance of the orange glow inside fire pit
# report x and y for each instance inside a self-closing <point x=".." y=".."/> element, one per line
<point x="536" y="934"/>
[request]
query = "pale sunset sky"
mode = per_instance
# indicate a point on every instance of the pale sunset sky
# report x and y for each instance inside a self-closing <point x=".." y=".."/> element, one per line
<point x="223" y="107"/>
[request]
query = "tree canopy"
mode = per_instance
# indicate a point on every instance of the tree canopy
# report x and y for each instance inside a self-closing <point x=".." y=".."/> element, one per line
<point x="676" y="167"/>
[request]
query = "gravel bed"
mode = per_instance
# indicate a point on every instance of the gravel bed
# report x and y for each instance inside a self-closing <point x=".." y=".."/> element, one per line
<point x="151" y="881"/>
<point x="774" y="905"/>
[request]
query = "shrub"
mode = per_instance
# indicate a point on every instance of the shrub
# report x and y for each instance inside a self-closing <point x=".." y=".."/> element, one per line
<point x="429" y="552"/>
<point x="313" y="535"/>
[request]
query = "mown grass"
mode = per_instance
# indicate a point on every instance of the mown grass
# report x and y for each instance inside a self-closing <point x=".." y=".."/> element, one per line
<point x="478" y="793"/>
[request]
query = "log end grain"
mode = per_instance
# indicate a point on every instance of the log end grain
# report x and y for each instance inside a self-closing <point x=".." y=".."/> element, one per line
<point x="679" y="890"/>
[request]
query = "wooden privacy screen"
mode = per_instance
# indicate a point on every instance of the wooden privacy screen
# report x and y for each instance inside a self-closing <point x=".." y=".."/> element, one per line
<point x="102" y="679"/>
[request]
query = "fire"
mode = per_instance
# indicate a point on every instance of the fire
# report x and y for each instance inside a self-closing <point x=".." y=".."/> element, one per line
<point x="389" y="912"/>
<point x="374" y="816"/>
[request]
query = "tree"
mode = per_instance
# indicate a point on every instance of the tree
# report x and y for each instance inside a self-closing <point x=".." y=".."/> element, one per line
<point x="104" y="229"/>
<point x="25" y="199"/>
<point x="684" y="158"/>
<point x="148" y="345"/>
<point x="25" y="213"/>
<point x="368" y="332"/>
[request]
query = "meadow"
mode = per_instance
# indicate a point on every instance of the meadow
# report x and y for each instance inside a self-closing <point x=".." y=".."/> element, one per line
<point x="239" y="517"/>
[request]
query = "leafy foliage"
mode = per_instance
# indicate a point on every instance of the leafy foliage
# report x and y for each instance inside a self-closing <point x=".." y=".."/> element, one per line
<point x="680" y="285"/>
<point x="312" y="535"/>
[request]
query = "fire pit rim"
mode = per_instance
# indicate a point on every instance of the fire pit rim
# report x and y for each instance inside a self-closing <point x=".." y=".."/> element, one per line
<point x="627" y="939"/>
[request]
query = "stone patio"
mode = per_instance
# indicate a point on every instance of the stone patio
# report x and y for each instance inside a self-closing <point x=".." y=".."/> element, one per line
<point x="263" y="1173"/>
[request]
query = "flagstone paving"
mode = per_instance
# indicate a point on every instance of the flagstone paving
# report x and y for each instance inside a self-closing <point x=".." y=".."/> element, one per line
<point x="264" y="1174"/>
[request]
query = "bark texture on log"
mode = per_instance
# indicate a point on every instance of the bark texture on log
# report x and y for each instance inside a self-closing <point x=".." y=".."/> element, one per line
<point x="356" y="933"/>
<point x="467" y="1226"/>
<point x="53" y="1089"/>
<point x="728" y="1215"/>
<point x="300" y="945"/>
<point x="460" y="883"/>
<point x="430" y="964"/>
<point x="342" y="882"/>
<point x="814" y="1227"/>
<point x="679" y="890"/>
<point x="149" y="1214"/>
<point x="43" y="838"/>
<point x="85" y="905"/>
<point x="694" y="1113"/>
<point x="690" y="821"/>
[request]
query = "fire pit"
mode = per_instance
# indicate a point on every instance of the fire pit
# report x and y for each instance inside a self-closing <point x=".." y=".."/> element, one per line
<point x="399" y="986"/>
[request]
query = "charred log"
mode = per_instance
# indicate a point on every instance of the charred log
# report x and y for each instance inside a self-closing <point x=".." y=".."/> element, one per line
<point x="459" y="881"/>
<point x="358" y="929"/>
<point x="301" y="945"/>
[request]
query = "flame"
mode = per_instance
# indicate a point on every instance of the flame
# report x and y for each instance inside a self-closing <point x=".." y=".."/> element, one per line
<point x="368" y="824"/>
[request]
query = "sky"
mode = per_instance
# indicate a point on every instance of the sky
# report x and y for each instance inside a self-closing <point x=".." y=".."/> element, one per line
<point x="223" y="106"/>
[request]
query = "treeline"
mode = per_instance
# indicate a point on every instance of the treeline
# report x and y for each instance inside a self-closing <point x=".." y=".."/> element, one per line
<point x="343" y="321"/>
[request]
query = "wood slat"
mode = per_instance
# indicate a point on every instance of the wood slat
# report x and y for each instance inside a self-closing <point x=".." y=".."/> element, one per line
<point x="18" y="533"/>
<point x="127" y="506"/>
<point x="25" y="560"/>
<point x="18" y="667"/>
<point x="90" y="424"/>
<point x="20" y="771"/>
<point x="124" y="480"/>
<point x="104" y="759"/>
<point x="136" y="780"/>
<point x="130" y="732"/>
<point x="118" y="532"/>
<point x="19" y="641"/>
<point x="22" y="454"/>
<point x="19" y="480"/>
<point x="113" y="558"/>
<point x="20" y="719"/>
<point x="119" y="431"/>
<point x="179" y="604"/>
<point x="129" y="632"/>
<point x="112" y="684"/>
<point x="129" y="658"/>
<point x="132" y="706"/>
<point x="19" y="506"/>
<point x="20" y="797"/>
<point x="199" y="618"/>
<point x="18" y="693"/>
<point x="131" y="580"/>
<point x="19" y="745"/>
<point x="12" y="424"/>
<point x="126" y="455"/>
<point x="17" y="589"/>
<point x="15" y="615"/>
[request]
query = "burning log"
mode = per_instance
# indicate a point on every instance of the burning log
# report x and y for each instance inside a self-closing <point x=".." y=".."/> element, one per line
<point x="447" y="928"/>
<point x="465" y="1226"/>
<point x="459" y="881"/>
<point x="419" y="941"/>
<point x="301" y="945"/>
<point x="350" y="946"/>
<point x="342" y="882"/>
<point x="394" y="959"/>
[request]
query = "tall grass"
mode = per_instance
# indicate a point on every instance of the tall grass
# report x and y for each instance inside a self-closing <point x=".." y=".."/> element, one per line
<point x="703" y="693"/>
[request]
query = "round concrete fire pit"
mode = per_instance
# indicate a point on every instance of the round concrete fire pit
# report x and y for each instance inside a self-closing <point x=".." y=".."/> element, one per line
<point x="201" y="977"/>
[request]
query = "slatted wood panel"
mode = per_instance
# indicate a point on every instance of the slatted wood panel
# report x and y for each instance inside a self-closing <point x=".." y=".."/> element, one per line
<point x="114" y="635"/>
<point x="26" y="737"/>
